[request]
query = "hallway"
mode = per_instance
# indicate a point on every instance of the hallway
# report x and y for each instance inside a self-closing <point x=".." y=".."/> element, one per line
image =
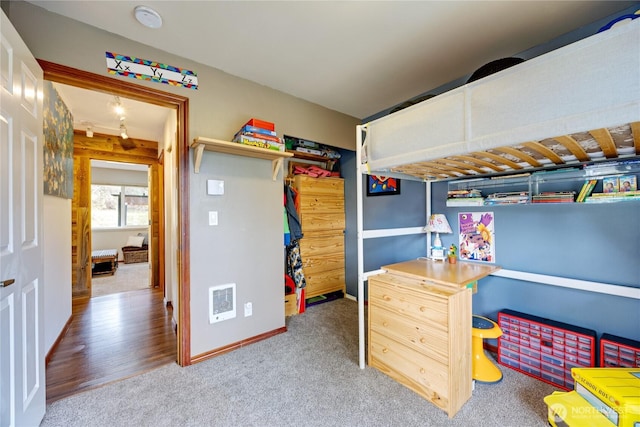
<point x="110" y="338"/>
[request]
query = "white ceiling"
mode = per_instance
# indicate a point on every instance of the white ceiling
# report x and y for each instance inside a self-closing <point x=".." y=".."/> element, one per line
<point x="355" y="57"/>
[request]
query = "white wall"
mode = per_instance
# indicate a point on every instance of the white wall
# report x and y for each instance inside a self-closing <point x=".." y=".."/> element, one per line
<point x="57" y="267"/>
<point x="217" y="109"/>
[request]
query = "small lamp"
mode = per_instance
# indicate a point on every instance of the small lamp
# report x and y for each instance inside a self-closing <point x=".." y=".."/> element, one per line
<point x="438" y="224"/>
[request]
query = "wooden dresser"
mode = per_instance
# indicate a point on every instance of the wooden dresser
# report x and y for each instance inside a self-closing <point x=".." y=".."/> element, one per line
<point x="323" y="222"/>
<point x="420" y="328"/>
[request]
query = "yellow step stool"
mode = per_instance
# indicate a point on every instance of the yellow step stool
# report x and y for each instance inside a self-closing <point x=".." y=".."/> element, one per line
<point x="483" y="369"/>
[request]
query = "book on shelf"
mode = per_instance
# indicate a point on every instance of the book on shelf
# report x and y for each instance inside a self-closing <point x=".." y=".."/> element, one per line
<point x="586" y="190"/>
<point x="465" y="201"/>
<point x="508" y="198"/>
<point x="627" y="183"/>
<point x="471" y="193"/>
<point x="554" y="197"/>
<point x="613" y="197"/>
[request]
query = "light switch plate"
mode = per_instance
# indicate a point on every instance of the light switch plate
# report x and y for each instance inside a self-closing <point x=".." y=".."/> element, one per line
<point x="213" y="217"/>
<point x="215" y="187"/>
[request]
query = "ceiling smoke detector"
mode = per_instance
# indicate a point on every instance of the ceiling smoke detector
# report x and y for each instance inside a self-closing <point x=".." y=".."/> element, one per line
<point x="147" y="17"/>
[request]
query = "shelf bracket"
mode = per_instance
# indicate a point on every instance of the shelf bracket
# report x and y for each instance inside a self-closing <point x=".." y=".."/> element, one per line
<point x="197" y="157"/>
<point x="276" y="164"/>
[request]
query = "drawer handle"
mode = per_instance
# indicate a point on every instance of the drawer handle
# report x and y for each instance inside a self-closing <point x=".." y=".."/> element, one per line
<point x="423" y="309"/>
<point x="7" y="283"/>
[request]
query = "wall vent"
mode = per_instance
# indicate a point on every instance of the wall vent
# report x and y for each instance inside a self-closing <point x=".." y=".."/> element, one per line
<point x="222" y="302"/>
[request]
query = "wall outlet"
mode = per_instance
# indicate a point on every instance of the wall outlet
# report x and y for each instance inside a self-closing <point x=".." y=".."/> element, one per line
<point x="248" y="309"/>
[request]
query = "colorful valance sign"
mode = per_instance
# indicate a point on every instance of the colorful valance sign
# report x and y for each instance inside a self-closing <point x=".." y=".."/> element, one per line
<point x="143" y="69"/>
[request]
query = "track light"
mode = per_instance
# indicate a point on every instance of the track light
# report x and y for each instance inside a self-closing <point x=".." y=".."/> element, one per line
<point x="89" y="132"/>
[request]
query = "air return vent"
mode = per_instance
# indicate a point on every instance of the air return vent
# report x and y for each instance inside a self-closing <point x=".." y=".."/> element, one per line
<point x="222" y="302"/>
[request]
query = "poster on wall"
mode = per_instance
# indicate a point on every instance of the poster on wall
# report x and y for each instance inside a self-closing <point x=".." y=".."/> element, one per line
<point x="58" y="145"/>
<point x="476" y="236"/>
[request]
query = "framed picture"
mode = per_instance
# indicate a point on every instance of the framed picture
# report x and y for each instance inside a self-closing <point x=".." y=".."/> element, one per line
<point x="382" y="185"/>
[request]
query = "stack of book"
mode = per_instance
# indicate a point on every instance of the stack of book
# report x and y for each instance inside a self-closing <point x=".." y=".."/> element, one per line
<point x="511" y="198"/>
<point x="613" y="197"/>
<point x="259" y="133"/>
<point x="470" y="197"/>
<point x="554" y="197"/>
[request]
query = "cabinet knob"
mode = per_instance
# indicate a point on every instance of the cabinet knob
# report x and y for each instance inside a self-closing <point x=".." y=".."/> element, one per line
<point x="422" y="340"/>
<point x="385" y="324"/>
<point x="386" y="297"/>
<point x="385" y="350"/>
<point x="423" y="309"/>
<point x="422" y="371"/>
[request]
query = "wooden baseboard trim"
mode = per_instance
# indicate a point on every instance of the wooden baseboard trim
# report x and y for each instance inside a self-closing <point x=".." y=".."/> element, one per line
<point x="53" y="348"/>
<point x="234" y="346"/>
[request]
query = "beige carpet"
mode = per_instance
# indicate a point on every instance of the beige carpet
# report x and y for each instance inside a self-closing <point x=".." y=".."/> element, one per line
<point x="128" y="277"/>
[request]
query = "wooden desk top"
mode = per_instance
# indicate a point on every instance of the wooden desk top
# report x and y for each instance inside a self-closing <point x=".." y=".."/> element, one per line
<point x="458" y="275"/>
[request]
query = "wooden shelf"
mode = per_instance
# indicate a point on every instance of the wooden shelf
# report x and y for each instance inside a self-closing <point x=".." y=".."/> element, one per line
<point x="200" y="144"/>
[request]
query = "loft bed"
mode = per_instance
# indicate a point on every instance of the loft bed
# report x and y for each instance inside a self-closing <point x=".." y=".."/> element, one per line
<point x="576" y="104"/>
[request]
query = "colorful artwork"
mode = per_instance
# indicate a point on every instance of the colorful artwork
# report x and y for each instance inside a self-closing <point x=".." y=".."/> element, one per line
<point x="476" y="236"/>
<point x="58" y="145"/>
<point x="143" y="69"/>
<point x="382" y="185"/>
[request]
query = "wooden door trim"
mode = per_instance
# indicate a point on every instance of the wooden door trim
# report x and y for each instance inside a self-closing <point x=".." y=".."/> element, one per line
<point x="84" y="79"/>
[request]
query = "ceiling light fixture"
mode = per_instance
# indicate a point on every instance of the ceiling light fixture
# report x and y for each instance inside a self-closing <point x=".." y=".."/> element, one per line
<point x="123" y="130"/>
<point x="118" y="108"/>
<point x="147" y="17"/>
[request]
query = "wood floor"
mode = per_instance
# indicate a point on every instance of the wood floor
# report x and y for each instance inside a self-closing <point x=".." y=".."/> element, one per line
<point x="110" y="338"/>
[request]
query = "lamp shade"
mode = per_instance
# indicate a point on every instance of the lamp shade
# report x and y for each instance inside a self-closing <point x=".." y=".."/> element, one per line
<point x="438" y="224"/>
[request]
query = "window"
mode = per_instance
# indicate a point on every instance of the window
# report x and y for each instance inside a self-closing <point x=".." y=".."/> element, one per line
<point x="119" y="206"/>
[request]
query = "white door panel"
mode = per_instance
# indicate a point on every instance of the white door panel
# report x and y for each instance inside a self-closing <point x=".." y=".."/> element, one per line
<point x="22" y="381"/>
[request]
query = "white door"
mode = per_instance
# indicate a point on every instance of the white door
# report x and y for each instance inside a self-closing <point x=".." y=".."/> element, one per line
<point x="22" y="376"/>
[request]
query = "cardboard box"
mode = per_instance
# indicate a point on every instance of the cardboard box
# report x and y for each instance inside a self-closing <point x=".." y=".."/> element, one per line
<point x="570" y="409"/>
<point x="261" y="124"/>
<point x="290" y="305"/>
<point x="615" y="392"/>
<point x="258" y="142"/>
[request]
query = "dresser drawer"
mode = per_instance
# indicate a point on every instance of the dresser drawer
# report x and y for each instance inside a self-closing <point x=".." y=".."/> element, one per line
<point x="324" y="282"/>
<point x="416" y="371"/>
<point x="421" y="305"/>
<point x="317" y="244"/>
<point x="427" y="338"/>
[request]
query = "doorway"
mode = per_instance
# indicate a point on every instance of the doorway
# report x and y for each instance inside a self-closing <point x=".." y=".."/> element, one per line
<point x="120" y="217"/>
<point x="66" y="75"/>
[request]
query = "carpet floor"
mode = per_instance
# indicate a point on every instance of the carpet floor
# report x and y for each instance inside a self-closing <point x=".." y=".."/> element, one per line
<point x="308" y="376"/>
<point x="128" y="277"/>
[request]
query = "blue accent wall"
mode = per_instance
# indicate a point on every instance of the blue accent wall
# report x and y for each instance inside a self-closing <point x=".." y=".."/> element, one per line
<point x="599" y="243"/>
